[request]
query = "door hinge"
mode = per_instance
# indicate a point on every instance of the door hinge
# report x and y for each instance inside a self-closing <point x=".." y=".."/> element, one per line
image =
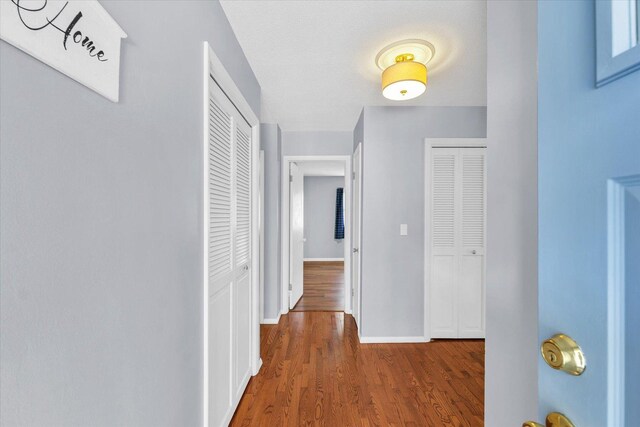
<point x="290" y="287"/>
<point x="290" y="178"/>
<point x="353" y="175"/>
<point x="353" y="292"/>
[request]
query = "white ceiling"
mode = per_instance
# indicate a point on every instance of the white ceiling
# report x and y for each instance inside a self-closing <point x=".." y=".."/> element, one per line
<point x="321" y="168"/>
<point x="314" y="59"/>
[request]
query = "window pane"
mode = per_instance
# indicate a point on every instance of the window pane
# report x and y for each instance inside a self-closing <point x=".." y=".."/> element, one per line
<point x="624" y="25"/>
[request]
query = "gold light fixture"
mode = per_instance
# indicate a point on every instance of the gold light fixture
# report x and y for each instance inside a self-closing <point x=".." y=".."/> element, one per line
<point x="404" y="71"/>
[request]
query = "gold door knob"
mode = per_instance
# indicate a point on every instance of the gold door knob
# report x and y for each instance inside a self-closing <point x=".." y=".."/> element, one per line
<point x="561" y="352"/>
<point x="554" y="419"/>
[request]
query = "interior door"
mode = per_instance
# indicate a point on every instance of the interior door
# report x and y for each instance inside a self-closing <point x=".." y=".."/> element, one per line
<point x="471" y="244"/>
<point x="242" y="259"/>
<point x="457" y="242"/>
<point x="220" y="243"/>
<point x="355" y="258"/>
<point x="228" y="250"/>
<point x="296" y="234"/>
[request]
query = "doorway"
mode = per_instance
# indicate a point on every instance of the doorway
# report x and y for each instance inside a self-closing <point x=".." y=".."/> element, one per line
<point x="316" y="225"/>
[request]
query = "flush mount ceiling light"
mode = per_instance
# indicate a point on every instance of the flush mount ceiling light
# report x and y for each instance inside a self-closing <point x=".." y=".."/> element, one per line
<point x="404" y="68"/>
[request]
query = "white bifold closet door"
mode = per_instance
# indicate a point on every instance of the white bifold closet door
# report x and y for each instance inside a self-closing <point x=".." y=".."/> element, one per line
<point x="229" y="237"/>
<point x="457" y="274"/>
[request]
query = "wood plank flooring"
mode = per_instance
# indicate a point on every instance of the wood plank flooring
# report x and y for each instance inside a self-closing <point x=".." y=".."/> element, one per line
<point x="315" y="372"/>
<point x="323" y="286"/>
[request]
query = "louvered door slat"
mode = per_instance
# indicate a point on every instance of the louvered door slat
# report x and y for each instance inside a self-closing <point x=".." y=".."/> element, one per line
<point x="243" y="194"/>
<point x="443" y="200"/>
<point x="473" y="200"/>
<point x="220" y="192"/>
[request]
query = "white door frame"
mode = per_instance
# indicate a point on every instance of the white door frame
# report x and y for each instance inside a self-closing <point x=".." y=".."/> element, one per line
<point x="212" y="68"/>
<point x="284" y="226"/>
<point x="358" y="244"/>
<point x="261" y="222"/>
<point x="430" y="143"/>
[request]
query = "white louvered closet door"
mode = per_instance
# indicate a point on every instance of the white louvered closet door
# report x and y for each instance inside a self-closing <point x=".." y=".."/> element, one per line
<point x="471" y="244"/>
<point x="457" y="193"/>
<point x="242" y="261"/>
<point x="229" y="249"/>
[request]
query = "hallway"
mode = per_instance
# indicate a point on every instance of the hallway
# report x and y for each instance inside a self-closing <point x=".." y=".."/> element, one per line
<point x="323" y="286"/>
<point x="316" y="372"/>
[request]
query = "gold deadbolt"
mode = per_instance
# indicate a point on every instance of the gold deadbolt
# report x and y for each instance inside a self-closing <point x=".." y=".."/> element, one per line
<point x="561" y="352"/>
<point x="554" y="419"/>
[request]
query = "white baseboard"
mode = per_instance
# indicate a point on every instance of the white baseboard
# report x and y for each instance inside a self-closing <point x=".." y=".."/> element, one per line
<point x="253" y="374"/>
<point x="389" y="340"/>
<point x="324" y="259"/>
<point x="273" y="321"/>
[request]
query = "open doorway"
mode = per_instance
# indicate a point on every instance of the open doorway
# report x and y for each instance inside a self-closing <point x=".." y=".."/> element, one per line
<point x="316" y="225"/>
<point x="323" y="235"/>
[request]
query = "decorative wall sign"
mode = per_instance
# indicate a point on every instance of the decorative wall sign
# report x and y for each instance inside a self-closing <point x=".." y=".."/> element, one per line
<point x="78" y="38"/>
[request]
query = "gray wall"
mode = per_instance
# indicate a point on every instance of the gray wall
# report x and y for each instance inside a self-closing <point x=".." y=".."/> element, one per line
<point x="270" y="140"/>
<point x="393" y="193"/>
<point x="512" y="353"/>
<point x="320" y="215"/>
<point x="317" y="143"/>
<point x="101" y="224"/>
<point x="358" y="131"/>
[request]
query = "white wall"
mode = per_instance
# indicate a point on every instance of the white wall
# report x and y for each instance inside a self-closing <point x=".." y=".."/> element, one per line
<point x="393" y="194"/>
<point x="101" y="254"/>
<point x="511" y="392"/>
<point x="319" y="143"/>
<point x="320" y="217"/>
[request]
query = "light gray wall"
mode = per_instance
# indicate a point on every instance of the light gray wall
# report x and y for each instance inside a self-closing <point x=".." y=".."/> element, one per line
<point x="358" y="131"/>
<point x="512" y="352"/>
<point x="320" y="217"/>
<point x="317" y="143"/>
<point x="101" y="224"/>
<point x="393" y="193"/>
<point x="271" y="144"/>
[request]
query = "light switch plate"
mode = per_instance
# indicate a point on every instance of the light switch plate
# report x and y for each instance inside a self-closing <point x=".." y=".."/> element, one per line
<point x="403" y="229"/>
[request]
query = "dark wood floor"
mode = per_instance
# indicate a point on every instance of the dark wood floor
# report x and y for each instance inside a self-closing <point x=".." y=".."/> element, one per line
<point x="315" y="372"/>
<point x="323" y="286"/>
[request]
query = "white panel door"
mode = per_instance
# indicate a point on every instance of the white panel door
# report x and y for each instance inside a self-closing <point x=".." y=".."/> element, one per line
<point x="457" y="242"/>
<point x="296" y="218"/>
<point x="355" y="258"/>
